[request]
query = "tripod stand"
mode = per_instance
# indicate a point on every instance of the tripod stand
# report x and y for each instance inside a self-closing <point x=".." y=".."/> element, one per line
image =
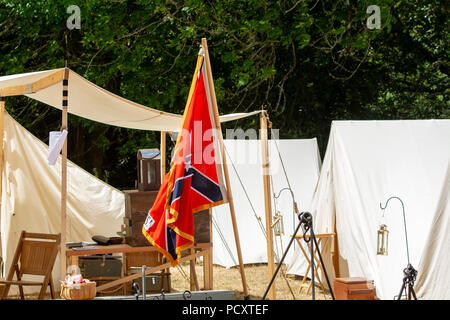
<point x="408" y="282"/>
<point x="305" y="221"/>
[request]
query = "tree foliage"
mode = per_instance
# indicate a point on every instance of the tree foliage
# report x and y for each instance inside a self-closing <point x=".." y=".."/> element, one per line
<point x="307" y="62"/>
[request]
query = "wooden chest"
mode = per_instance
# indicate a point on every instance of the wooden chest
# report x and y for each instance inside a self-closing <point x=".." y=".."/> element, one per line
<point x="98" y="267"/>
<point x="137" y="205"/>
<point x="354" y="289"/>
<point x="155" y="282"/>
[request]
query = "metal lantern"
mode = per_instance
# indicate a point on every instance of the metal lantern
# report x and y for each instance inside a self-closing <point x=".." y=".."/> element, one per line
<point x="149" y="169"/>
<point x="278" y="225"/>
<point x="382" y="240"/>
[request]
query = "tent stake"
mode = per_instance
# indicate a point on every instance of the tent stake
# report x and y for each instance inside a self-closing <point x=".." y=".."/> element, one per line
<point x="225" y="168"/>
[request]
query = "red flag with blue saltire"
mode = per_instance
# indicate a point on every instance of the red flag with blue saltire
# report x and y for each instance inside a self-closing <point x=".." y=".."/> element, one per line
<point x="195" y="180"/>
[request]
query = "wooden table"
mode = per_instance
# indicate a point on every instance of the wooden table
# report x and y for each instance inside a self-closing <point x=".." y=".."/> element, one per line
<point x="323" y="240"/>
<point x="201" y="249"/>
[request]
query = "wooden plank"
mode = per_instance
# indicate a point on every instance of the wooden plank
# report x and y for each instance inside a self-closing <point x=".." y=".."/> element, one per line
<point x="13" y="91"/>
<point x="225" y="167"/>
<point x="208" y="259"/>
<point x="193" y="273"/>
<point x="148" y="271"/>
<point x="49" y="80"/>
<point x="121" y="248"/>
<point x="208" y="270"/>
<point x="40" y="84"/>
<point x="337" y="270"/>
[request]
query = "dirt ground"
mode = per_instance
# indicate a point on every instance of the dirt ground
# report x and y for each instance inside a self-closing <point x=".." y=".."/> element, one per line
<point x="287" y="287"/>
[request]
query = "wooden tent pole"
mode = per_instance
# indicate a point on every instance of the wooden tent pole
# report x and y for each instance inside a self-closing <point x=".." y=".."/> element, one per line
<point x="163" y="146"/>
<point x="267" y="201"/>
<point x="65" y="103"/>
<point x="2" y="130"/>
<point x="225" y="168"/>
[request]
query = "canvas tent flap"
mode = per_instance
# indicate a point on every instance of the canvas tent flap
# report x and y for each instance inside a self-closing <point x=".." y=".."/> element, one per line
<point x="92" y="102"/>
<point x="366" y="163"/>
<point x="301" y="159"/>
<point x="433" y="270"/>
<point x="31" y="196"/>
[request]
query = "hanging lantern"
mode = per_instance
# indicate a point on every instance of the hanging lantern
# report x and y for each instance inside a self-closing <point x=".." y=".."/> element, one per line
<point x="278" y="226"/>
<point x="382" y="240"/>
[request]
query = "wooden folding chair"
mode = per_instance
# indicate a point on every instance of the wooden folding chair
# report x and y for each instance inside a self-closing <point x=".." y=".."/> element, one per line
<point x="33" y="257"/>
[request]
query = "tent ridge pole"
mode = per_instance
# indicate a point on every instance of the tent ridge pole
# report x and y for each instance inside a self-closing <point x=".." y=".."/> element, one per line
<point x="225" y="168"/>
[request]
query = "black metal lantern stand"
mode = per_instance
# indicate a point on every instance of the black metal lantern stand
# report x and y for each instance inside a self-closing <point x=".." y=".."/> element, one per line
<point x="409" y="273"/>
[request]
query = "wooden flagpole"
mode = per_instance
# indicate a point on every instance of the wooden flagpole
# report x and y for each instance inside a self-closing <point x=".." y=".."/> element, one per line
<point x="64" y="125"/>
<point x="267" y="201"/>
<point x="225" y="167"/>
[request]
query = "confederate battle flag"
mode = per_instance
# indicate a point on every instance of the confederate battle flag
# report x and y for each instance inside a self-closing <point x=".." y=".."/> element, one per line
<point x="194" y="181"/>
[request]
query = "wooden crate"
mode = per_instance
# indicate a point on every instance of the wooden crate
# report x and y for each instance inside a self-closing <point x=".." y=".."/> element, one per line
<point x="149" y="259"/>
<point x="137" y="205"/>
<point x="138" y="259"/>
<point x="202" y="229"/>
<point x="354" y="289"/>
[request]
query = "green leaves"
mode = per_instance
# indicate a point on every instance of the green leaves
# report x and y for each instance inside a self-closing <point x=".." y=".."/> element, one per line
<point x="307" y="62"/>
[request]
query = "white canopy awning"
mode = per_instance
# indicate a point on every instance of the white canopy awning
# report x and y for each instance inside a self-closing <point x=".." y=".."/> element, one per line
<point x="92" y="102"/>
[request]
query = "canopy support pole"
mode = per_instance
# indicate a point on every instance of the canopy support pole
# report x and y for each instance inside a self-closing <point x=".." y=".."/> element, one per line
<point x="2" y="130"/>
<point x="163" y="146"/>
<point x="64" y="126"/>
<point x="225" y="168"/>
<point x="267" y="200"/>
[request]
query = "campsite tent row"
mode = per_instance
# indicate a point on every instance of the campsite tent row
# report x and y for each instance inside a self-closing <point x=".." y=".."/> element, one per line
<point x="366" y="162"/>
<point x="86" y="100"/>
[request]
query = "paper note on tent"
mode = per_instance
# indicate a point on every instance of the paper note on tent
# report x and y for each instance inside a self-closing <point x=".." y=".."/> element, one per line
<point x="56" y="142"/>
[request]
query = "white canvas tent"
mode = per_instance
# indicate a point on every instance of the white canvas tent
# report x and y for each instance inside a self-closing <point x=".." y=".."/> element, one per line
<point x="433" y="276"/>
<point x="86" y="100"/>
<point x="30" y="198"/>
<point x="90" y="101"/>
<point x="366" y="163"/>
<point x="302" y="162"/>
